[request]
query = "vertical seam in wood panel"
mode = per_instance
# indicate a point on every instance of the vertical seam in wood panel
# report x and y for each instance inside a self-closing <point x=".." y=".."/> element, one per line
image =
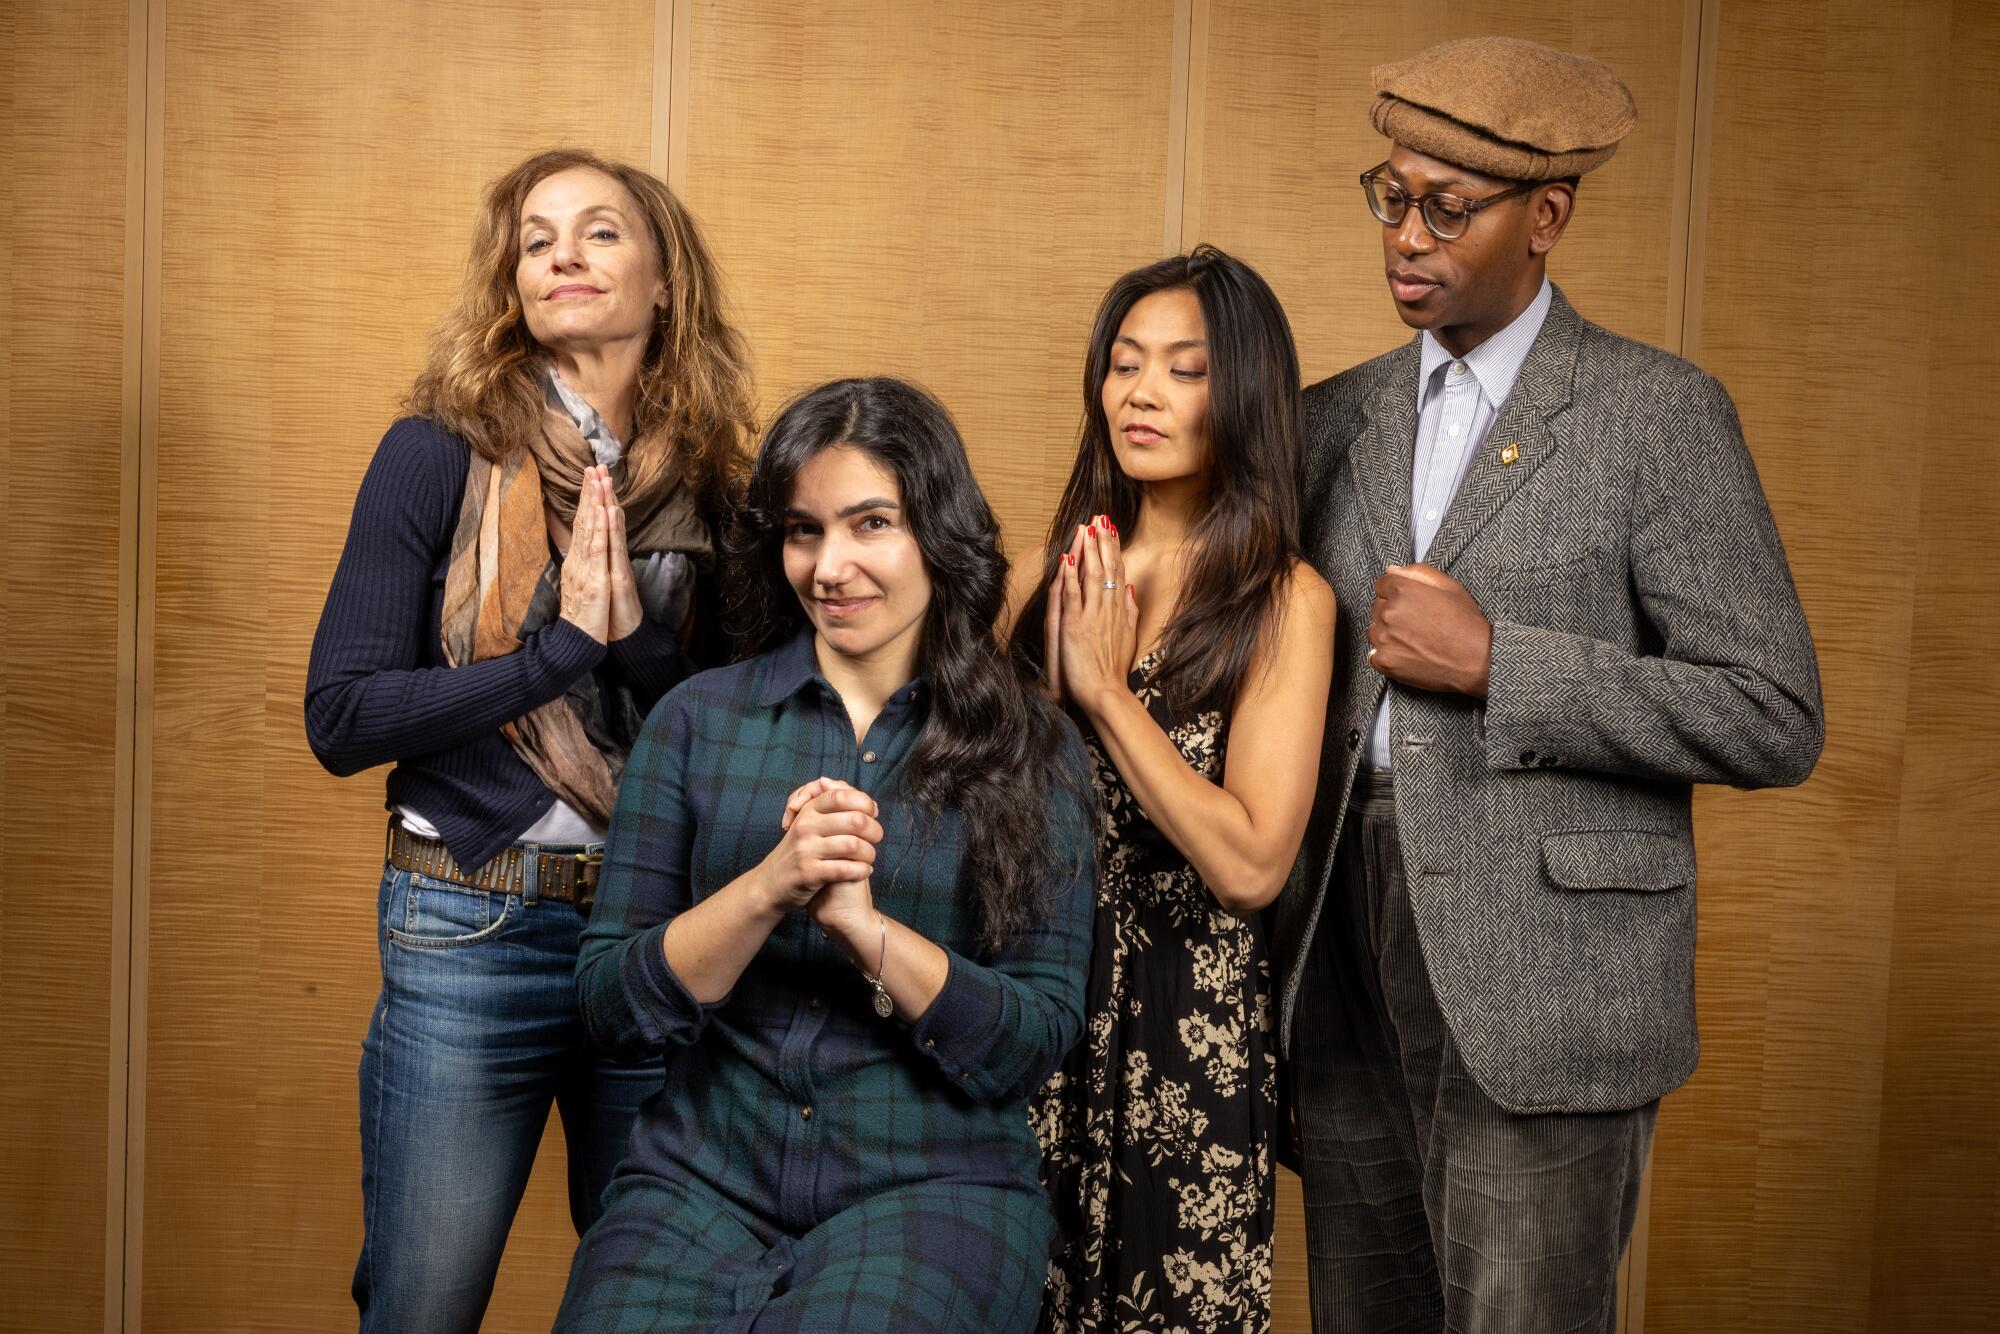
<point x="681" y="50"/>
<point x="1177" y="121"/>
<point x="663" y="87"/>
<point x="132" y="310"/>
<point x="662" y="93"/>
<point x="1683" y="178"/>
<point x="143" y="406"/>
<point x="1684" y="261"/>
<point x="1194" y="135"/>
<point x="1697" y="203"/>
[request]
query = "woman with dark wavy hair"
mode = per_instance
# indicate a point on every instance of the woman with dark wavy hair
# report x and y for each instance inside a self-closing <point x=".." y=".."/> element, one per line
<point x="847" y="899"/>
<point x="529" y="568"/>
<point x="1171" y="612"/>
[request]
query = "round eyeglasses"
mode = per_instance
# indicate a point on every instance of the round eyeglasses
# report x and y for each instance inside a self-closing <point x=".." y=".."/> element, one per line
<point x="1445" y="216"/>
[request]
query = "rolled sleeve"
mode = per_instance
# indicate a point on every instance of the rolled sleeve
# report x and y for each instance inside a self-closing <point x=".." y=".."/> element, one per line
<point x="967" y="1026"/>
<point x="632" y="1003"/>
<point x="660" y="1010"/>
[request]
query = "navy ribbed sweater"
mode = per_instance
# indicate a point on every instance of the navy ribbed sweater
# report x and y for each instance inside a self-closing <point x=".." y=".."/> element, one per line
<point x="378" y="690"/>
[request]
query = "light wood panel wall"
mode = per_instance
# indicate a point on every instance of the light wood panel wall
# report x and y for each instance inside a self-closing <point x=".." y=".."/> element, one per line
<point x="941" y="192"/>
<point x="1937" y="1194"/>
<point x="323" y="167"/>
<point x="1832" y="1165"/>
<point x="63" y="158"/>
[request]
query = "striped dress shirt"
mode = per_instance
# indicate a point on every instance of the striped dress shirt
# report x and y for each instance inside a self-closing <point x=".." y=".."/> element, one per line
<point x="1457" y="400"/>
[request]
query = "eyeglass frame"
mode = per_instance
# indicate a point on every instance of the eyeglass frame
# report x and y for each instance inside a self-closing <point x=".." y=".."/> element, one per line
<point x="1471" y="206"/>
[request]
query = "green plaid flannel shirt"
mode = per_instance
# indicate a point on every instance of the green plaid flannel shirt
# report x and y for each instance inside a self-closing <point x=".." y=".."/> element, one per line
<point x="789" y="1096"/>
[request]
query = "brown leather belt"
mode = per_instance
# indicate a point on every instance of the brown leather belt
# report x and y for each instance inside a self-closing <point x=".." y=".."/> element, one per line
<point x="568" y="878"/>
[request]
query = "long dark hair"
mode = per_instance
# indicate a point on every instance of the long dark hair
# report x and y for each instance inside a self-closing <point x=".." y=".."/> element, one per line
<point x="992" y="745"/>
<point x="1244" y="542"/>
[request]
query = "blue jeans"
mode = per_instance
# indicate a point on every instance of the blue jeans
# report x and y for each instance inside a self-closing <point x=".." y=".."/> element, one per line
<point x="476" y="1033"/>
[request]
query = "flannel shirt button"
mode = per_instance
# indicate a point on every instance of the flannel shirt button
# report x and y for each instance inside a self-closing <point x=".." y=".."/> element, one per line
<point x="868" y="757"/>
<point x="929" y="1044"/>
<point x="805" y="1113"/>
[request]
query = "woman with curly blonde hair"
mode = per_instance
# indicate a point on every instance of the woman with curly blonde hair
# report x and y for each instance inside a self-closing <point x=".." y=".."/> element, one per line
<point x="530" y="566"/>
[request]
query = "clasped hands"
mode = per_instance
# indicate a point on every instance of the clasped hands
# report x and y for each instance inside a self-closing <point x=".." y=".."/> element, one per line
<point x="1091" y="628"/>
<point x="825" y="858"/>
<point x="599" y="595"/>
<point x="1425" y="630"/>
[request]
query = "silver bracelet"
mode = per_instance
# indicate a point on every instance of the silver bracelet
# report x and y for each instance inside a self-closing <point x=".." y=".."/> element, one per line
<point x="884" y="1007"/>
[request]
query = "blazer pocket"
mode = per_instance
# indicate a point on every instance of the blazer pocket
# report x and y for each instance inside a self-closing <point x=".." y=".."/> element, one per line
<point x="1631" y="859"/>
<point x="1562" y="595"/>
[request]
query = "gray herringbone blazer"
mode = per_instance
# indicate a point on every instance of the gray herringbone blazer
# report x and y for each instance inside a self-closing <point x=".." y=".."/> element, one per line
<point x="1646" y="637"/>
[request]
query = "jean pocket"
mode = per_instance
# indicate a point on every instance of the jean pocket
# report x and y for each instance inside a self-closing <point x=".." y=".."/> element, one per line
<point x="438" y="915"/>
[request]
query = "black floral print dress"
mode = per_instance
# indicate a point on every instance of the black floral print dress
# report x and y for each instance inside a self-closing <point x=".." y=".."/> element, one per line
<point x="1157" y="1132"/>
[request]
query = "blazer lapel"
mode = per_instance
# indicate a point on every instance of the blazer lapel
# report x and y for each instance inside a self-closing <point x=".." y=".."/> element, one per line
<point x="1520" y="441"/>
<point x="1382" y="458"/>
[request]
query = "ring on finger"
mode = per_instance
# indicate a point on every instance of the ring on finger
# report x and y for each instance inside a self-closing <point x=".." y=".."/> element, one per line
<point x="1110" y="585"/>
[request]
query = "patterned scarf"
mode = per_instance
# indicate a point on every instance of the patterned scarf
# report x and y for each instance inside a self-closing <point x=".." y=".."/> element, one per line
<point x="503" y="583"/>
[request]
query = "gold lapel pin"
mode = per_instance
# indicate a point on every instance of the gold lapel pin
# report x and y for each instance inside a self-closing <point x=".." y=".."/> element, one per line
<point x="1510" y="452"/>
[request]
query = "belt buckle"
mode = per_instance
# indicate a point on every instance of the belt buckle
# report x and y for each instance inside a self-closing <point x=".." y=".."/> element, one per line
<point x="587" y="864"/>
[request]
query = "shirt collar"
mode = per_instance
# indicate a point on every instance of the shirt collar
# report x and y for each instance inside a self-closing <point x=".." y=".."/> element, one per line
<point x="793" y="666"/>
<point x="789" y="669"/>
<point x="1496" y="363"/>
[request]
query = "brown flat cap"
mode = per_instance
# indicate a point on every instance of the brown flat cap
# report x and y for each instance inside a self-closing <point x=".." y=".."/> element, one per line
<point x="1505" y="107"/>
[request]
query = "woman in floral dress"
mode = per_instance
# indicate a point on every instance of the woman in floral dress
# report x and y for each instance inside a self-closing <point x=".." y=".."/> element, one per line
<point x="1171" y="613"/>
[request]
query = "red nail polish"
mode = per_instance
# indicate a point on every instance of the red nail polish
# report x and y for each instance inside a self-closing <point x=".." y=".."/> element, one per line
<point x="1111" y="527"/>
<point x="1093" y="530"/>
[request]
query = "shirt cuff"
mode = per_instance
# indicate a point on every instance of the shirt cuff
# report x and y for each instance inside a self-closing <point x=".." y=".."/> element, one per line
<point x="1535" y="696"/>
<point x="649" y="640"/>
<point x="957" y="1030"/>
<point x="662" y="1007"/>
<point x="568" y="651"/>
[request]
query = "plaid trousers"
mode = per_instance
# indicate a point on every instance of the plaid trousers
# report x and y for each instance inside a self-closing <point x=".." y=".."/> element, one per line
<point x="938" y="1256"/>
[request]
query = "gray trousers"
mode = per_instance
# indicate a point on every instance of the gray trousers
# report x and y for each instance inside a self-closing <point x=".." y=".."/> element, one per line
<point x="1429" y="1207"/>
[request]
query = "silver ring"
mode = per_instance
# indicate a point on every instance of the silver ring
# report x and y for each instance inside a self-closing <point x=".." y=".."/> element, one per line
<point x="1111" y="585"/>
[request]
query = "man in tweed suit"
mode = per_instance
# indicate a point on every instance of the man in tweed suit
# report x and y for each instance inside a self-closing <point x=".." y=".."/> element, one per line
<point x="1562" y="603"/>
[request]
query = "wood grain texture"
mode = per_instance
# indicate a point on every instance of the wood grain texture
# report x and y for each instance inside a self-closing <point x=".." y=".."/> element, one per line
<point x="1283" y="124"/>
<point x="936" y="192"/>
<point x="1828" y="335"/>
<point x="943" y="192"/>
<point x="1937" y="1175"/>
<point x="62" y="155"/>
<point x="323" y="167"/>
